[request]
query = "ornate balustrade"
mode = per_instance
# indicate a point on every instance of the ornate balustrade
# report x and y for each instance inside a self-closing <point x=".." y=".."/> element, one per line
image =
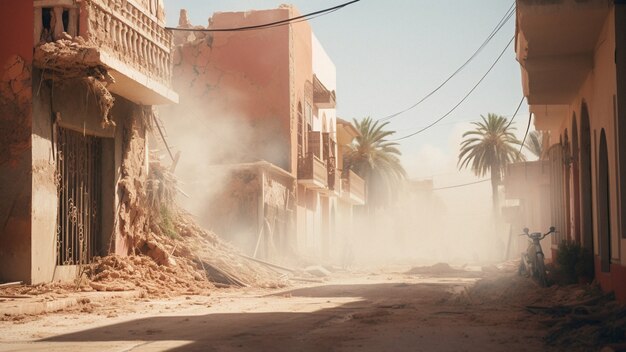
<point x="131" y="35"/>
<point x="123" y="30"/>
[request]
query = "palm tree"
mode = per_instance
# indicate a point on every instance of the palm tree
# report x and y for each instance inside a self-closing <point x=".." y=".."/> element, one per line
<point x="489" y="148"/>
<point x="534" y="143"/>
<point x="376" y="160"/>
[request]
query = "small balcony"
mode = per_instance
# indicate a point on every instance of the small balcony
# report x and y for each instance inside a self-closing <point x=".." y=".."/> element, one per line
<point x="352" y="188"/>
<point x="312" y="172"/>
<point x="322" y="97"/>
<point x="122" y="36"/>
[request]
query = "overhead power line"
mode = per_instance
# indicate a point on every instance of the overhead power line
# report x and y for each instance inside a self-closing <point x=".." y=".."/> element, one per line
<point x="509" y="13"/>
<point x="462" y="100"/>
<point x="515" y="113"/>
<point x="461" y="185"/>
<point x="269" y="24"/>
<point x="530" y="116"/>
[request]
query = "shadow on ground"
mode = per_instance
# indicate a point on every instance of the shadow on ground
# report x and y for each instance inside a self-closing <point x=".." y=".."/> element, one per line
<point x="385" y="316"/>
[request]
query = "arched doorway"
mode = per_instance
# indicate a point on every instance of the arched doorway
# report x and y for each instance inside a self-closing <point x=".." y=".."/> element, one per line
<point x="604" y="206"/>
<point x="586" y="217"/>
<point x="575" y="183"/>
<point x="567" y="172"/>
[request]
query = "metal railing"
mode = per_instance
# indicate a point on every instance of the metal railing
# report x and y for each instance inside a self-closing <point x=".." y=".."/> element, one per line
<point x="310" y="167"/>
<point x="352" y="185"/>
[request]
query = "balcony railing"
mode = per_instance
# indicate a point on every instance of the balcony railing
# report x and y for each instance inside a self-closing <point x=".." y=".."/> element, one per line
<point x="312" y="171"/>
<point x="329" y="151"/>
<point x="352" y="188"/>
<point x="322" y="97"/>
<point x="130" y="40"/>
<point x="334" y="180"/>
<point x="131" y="35"/>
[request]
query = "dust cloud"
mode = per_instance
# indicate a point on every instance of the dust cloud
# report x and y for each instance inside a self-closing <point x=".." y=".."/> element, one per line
<point x="430" y="223"/>
<point x="426" y="227"/>
<point x="209" y="137"/>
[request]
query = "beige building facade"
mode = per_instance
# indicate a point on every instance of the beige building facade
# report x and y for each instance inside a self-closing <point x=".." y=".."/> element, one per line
<point x="573" y="60"/>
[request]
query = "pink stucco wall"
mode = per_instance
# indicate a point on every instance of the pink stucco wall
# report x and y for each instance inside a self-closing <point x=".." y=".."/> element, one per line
<point x="247" y="75"/>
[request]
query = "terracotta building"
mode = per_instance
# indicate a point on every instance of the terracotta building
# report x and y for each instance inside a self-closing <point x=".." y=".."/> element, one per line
<point x="573" y="60"/>
<point x="280" y="84"/>
<point x="77" y="86"/>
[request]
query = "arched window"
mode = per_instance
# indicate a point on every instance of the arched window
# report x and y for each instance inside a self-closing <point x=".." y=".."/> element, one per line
<point x="604" y="205"/>
<point x="301" y="133"/>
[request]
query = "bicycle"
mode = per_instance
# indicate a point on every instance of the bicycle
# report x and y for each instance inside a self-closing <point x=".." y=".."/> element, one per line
<point x="532" y="263"/>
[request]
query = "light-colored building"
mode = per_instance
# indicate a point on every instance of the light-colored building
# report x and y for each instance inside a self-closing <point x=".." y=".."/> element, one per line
<point x="527" y="204"/>
<point x="279" y="84"/>
<point x="573" y="59"/>
<point x="77" y="86"/>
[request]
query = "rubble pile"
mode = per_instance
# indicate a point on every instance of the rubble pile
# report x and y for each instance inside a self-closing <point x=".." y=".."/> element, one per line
<point x="435" y="269"/>
<point x="579" y="317"/>
<point x="72" y="61"/>
<point x="191" y="261"/>
<point x="169" y="252"/>
<point x="585" y="325"/>
<point x="116" y="273"/>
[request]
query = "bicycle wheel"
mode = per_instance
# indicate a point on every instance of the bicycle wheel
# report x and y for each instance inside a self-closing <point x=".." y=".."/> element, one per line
<point x="521" y="270"/>
<point x="540" y="272"/>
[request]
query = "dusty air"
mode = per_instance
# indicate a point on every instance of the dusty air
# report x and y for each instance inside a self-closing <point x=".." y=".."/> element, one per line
<point x="312" y="176"/>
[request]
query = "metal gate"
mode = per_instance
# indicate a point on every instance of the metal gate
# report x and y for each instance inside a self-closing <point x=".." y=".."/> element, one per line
<point x="79" y="188"/>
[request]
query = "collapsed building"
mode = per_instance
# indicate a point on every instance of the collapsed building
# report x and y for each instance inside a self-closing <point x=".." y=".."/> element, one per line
<point x="78" y="86"/>
<point x="286" y="190"/>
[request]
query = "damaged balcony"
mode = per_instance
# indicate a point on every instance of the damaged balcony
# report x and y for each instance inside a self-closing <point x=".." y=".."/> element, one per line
<point x="122" y="37"/>
<point x="352" y="188"/>
<point x="322" y="97"/>
<point x="312" y="172"/>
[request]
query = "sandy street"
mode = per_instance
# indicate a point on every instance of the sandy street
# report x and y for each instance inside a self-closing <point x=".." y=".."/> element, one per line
<point x="381" y="311"/>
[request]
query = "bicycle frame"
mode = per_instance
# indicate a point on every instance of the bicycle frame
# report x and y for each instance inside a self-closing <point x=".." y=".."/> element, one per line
<point x="532" y="262"/>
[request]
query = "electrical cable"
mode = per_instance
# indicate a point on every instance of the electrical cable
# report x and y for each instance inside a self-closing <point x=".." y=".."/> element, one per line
<point x="507" y="126"/>
<point x="515" y="113"/>
<point x="449" y="123"/>
<point x="530" y="116"/>
<point x="462" y="100"/>
<point x="496" y="29"/>
<point x="270" y="24"/>
<point x="461" y="185"/>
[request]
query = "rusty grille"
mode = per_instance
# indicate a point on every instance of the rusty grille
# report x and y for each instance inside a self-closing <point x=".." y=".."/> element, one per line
<point x="79" y="187"/>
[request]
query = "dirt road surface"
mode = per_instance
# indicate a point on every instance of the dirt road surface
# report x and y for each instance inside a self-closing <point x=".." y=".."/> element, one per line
<point x="368" y="311"/>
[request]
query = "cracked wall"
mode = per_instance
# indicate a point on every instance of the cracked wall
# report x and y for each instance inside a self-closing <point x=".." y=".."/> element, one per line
<point x="243" y="75"/>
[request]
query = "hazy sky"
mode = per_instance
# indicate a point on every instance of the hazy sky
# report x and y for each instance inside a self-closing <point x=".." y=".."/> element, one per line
<point x="389" y="54"/>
